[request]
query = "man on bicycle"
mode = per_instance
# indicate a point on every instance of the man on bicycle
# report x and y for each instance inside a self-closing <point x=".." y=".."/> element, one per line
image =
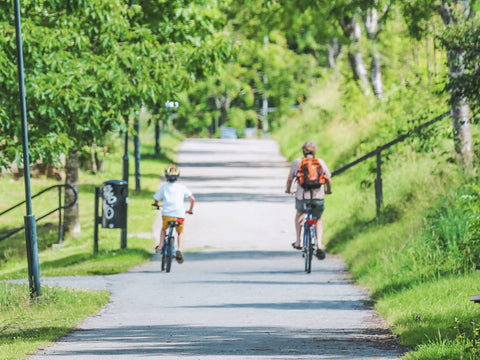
<point x="302" y="197"/>
<point x="173" y="194"/>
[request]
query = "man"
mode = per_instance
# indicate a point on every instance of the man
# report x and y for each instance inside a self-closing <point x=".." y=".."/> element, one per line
<point x="309" y="149"/>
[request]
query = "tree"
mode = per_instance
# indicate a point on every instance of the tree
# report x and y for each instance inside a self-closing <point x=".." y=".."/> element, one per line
<point x="455" y="15"/>
<point x="89" y="62"/>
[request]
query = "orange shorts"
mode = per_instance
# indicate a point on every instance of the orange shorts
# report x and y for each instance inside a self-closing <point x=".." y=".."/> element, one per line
<point x="166" y="219"/>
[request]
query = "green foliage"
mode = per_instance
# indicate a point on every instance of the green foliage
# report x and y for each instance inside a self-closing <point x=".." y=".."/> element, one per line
<point x="462" y="38"/>
<point x="89" y="63"/>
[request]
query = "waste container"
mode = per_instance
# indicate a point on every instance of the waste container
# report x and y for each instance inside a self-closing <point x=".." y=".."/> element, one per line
<point x="114" y="204"/>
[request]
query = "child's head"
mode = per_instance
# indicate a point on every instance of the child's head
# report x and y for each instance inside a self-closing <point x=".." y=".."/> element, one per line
<point x="172" y="173"/>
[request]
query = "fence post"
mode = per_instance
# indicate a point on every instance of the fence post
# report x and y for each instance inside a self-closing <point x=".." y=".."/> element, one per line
<point x="378" y="183"/>
<point x="60" y="227"/>
<point x="97" y="221"/>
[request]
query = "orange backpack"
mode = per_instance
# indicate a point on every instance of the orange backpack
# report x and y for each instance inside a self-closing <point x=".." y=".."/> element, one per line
<point x="310" y="174"/>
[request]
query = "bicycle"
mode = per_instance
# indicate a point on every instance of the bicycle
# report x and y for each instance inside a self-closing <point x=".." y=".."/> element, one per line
<point x="168" y="250"/>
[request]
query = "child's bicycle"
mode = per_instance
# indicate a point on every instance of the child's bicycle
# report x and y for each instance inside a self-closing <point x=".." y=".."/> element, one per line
<point x="168" y="250"/>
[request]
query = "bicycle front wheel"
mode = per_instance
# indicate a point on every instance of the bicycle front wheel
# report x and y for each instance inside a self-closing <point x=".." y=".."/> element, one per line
<point x="169" y="245"/>
<point x="308" y="250"/>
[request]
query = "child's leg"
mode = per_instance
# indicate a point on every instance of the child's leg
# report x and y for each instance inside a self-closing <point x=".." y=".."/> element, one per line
<point x="163" y="233"/>
<point x="180" y="241"/>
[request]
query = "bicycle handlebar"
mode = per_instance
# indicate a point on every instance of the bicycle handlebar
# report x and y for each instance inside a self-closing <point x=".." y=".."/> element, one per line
<point x="159" y="207"/>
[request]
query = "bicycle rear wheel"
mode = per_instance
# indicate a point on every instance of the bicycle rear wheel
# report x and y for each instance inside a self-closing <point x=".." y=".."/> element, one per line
<point x="308" y="250"/>
<point x="169" y="244"/>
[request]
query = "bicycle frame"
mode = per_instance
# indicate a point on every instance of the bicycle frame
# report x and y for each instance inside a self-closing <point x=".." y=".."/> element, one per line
<point x="168" y="249"/>
<point x="309" y="237"/>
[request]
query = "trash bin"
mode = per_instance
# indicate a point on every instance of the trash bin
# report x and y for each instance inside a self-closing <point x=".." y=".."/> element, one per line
<point x="114" y="204"/>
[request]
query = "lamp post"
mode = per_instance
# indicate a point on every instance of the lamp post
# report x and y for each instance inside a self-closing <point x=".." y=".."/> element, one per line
<point x="29" y="219"/>
<point x="265" y="99"/>
<point x="157" y="136"/>
<point x="136" y="144"/>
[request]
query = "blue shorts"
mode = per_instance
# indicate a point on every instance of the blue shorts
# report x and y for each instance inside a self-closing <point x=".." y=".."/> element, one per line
<point x="317" y="209"/>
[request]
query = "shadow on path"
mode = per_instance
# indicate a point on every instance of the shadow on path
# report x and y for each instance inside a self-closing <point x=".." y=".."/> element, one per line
<point x="200" y="341"/>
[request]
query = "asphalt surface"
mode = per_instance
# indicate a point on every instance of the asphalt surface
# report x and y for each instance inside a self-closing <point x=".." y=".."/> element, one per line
<point x="241" y="292"/>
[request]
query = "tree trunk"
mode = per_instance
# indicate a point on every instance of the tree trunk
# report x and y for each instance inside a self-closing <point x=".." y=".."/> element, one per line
<point x="376" y="76"/>
<point x="372" y="27"/>
<point x="222" y="103"/>
<point x="332" y="53"/>
<point x="71" y="224"/>
<point x="351" y="29"/>
<point x="93" y="158"/>
<point x="462" y="134"/>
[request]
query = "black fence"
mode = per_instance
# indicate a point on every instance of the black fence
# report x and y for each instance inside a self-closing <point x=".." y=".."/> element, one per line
<point x="59" y="209"/>
<point x="378" y="153"/>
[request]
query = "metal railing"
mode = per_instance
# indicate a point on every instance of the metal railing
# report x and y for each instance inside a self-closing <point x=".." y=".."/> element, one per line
<point x="378" y="153"/>
<point x="59" y="209"/>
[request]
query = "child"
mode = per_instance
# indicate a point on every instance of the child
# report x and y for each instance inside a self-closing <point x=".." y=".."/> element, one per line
<point x="173" y="194"/>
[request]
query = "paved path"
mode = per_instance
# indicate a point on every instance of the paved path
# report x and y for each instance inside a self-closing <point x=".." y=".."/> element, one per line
<point x="241" y="292"/>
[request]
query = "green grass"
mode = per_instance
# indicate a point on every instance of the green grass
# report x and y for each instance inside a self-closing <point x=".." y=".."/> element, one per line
<point x="417" y="260"/>
<point x="26" y="325"/>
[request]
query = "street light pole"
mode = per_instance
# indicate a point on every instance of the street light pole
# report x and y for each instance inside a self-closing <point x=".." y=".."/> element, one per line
<point x="29" y="219"/>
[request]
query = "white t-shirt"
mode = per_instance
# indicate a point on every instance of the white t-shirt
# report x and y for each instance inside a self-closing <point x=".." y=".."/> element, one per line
<point x="173" y="195"/>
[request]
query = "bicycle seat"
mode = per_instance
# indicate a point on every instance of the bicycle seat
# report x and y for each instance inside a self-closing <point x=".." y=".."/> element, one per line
<point x="173" y="223"/>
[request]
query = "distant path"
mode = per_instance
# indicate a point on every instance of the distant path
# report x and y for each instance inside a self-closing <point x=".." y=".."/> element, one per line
<point x="245" y="296"/>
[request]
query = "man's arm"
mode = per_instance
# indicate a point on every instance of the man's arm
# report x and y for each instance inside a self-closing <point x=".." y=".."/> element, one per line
<point x="328" y="186"/>
<point x="288" y="188"/>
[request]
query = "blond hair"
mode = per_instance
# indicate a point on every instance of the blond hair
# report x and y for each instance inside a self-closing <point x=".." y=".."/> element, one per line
<point x="309" y="147"/>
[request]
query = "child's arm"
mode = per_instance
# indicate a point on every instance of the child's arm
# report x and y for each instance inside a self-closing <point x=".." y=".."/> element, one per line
<point x="192" y="201"/>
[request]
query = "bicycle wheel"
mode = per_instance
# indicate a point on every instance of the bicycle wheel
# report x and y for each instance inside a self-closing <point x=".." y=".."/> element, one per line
<point x="164" y="257"/>
<point x="169" y="245"/>
<point x="308" y="250"/>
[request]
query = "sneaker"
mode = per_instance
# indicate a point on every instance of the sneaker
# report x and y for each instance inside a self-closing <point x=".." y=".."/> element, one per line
<point x="179" y="256"/>
<point x="320" y="254"/>
<point x="158" y="249"/>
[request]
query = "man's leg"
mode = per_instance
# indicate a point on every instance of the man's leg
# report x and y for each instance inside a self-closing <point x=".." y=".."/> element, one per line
<point x="298" y="227"/>
<point x="319" y="232"/>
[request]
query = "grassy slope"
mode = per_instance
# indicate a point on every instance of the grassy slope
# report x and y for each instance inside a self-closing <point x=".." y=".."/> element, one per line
<point x="413" y="283"/>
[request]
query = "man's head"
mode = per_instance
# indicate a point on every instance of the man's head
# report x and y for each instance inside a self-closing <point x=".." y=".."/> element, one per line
<point x="172" y="173"/>
<point x="309" y="148"/>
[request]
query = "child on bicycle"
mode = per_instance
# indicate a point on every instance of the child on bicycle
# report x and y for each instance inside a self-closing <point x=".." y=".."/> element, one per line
<point x="173" y="194"/>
